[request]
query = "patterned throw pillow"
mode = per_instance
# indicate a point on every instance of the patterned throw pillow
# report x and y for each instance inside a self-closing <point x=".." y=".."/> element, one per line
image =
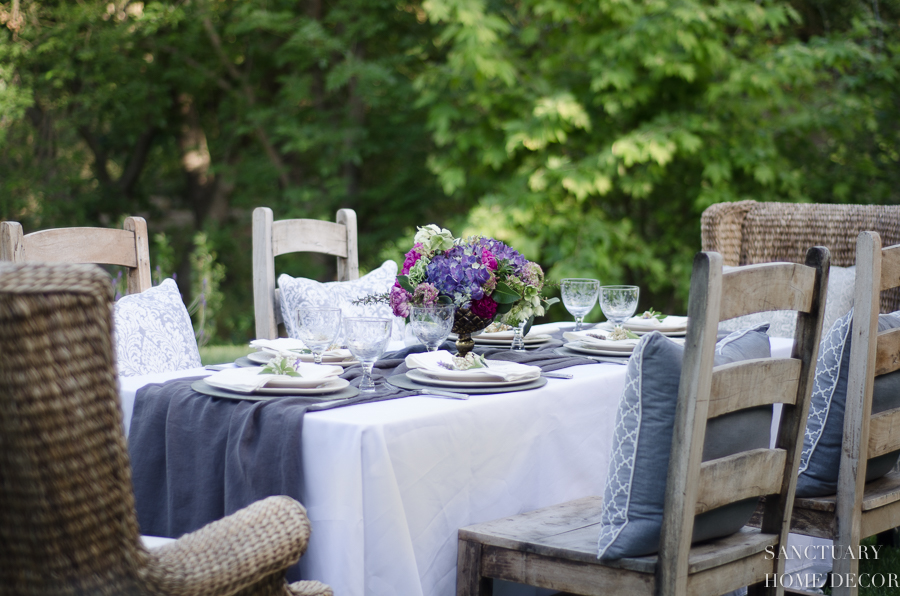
<point x="782" y="323"/>
<point x="153" y="332"/>
<point x="299" y="291"/>
<point x="633" y="500"/>
<point x="821" y="457"/>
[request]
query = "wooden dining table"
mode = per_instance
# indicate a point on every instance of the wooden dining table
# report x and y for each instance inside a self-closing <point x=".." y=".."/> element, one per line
<point x="388" y="484"/>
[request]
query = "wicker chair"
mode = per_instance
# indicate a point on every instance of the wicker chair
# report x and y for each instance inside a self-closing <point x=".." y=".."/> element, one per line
<point x="747" y="232"/>
<point x="68" y="524"/>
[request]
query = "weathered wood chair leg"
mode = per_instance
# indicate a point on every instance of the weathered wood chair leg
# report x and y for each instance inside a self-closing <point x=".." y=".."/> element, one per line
<point x="468" y="571"/>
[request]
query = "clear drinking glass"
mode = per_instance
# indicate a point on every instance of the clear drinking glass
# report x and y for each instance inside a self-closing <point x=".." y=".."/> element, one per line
<point x="618" y="303"/>
<point x="579" y="297"/>
<point x="318" y="328"/>
<point x="432" y="324"/>
<point x="366" y="339"/>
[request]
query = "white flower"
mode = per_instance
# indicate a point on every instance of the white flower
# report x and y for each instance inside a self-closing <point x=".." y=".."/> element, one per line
<point x="434" y="238"/>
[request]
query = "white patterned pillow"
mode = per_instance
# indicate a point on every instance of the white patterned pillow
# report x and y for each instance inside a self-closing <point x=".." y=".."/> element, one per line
<point x="782" y="323"/>
<point x="299" y="291"/>
<point x="153" y="332"/>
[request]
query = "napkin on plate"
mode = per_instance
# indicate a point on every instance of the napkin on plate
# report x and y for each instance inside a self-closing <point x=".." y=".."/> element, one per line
<point x="536" y="332"/>
<point x="248" y="380"/>
<point x="583" y="337"/>
<point x="670" y="323"/>
<point x="498" y="370"/>
<point x="281" y="345"/>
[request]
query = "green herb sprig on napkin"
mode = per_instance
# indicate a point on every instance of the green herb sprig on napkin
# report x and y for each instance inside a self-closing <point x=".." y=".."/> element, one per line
<point x="279" y="365"/>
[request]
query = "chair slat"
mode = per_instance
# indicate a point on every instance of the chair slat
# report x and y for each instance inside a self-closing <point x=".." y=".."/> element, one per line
<point x="751" y="383"/>
<point x="82" y="245"/>
<point x="890" y="267"/>
<point x="309" y="235"/>
<point x="887" y="352"/>
<point x="740" y="476"/>
<point x="759" y="288"/>
<point x="882" y="491"/>
<point x="884" y="433"/>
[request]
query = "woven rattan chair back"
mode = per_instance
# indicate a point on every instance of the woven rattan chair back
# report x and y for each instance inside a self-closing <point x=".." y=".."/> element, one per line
<point x="748" y="233"/>
<point x="68" y="524"/>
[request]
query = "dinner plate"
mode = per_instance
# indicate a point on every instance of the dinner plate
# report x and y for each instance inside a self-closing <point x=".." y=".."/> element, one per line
<point x="264" y="357"/>
<point x="404" y="382"/>
<point x="587" y="349"/>
<point x="641" y="330"/>
<point x="564" y="351"/>
<point x="529" y="342"/>
<point x="425" y="379"/>
<point x="201" y="386"/>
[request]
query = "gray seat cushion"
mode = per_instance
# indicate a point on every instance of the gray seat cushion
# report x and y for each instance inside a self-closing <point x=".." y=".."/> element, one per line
<point x="634" y="496"/>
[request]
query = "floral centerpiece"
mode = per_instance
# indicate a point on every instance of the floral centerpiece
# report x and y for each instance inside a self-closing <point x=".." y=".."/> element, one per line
<point x="484" y="278"/>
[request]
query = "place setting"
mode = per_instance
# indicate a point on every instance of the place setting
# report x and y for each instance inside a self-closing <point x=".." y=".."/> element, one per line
<point x="501" y="335"/>
<point x="471" y="374"/>
<point x="614" y="340"/>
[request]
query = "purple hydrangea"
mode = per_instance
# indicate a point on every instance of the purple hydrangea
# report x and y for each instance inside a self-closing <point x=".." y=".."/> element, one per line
<point x="459" y="274"/>
<point x="485" y="308"/>
<point x="501" y="252"/>
<point x="425" y="295"/>
<point x="400" y="301"/>
<point x="411" y="257"/>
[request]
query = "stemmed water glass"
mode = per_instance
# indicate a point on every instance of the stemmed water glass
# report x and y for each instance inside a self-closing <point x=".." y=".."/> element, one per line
<point x="579" y="297"/>
<point x="318" y="328"/>
<point x="618" y="303"/>
<point x="432" y="324"/>
<point x="366" y="339"/>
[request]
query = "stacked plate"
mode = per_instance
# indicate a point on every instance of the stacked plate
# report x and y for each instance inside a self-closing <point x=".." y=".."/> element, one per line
<point x="538" y="336"/>
<point x="249" y="383"/>
<point x="595" y="342"/>
<point x="425" y="370"/>
<point x="292" y="348"/>
<point x="671" y="326"/>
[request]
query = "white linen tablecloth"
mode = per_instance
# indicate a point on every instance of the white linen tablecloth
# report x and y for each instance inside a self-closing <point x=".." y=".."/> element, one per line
<point x="388" y="484"/>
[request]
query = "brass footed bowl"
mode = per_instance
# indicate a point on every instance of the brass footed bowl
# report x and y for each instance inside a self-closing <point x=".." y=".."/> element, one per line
<point x="465" y="323"/>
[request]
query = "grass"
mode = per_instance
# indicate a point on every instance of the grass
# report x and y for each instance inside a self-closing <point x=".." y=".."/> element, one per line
<point x="222" y="354"/>
<point x="888" y="563"/>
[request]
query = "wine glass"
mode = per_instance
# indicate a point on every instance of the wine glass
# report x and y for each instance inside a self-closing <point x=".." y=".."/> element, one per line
<point x="318" y="328"/>
<point x="432" y="324"/>
<point x="618" y="303"/>
<point x="366" y="339"/>
<point x="579" y="297"/>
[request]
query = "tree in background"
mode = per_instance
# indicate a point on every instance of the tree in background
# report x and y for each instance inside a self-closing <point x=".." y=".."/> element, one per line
<point x="595" y="133"/>
<point x="192" y="113"/>
<point x="590" y="135"/>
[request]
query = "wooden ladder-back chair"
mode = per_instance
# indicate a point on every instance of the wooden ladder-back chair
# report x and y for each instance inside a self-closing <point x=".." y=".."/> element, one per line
<point x="128" y="247"/>
<point x="749" y="232"/>
<point x="68" y="524"/>
<point x="273" y="238"/>
<point x="556" y="547"/>
<point x="861" y="509"/>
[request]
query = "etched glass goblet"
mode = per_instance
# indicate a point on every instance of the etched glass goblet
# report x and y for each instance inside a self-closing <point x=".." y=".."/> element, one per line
<point x="579" y="297"/>
<point x="366" y="339"/>
<point x="432" y="324"/>
<point x="618" y="303"/>
<point x="318" y="328"/>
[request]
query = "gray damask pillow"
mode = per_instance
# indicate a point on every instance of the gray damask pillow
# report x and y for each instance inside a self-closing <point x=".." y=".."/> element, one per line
<point x="821" y="457"/>
<point x="153" y="332"/>
<point x="299" y="291"/>
<point x="631" y="517"/>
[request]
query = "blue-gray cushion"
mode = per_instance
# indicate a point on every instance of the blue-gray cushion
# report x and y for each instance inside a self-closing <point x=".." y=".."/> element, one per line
<point x="634" y="496"/>
<point x="821" y="457"/>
